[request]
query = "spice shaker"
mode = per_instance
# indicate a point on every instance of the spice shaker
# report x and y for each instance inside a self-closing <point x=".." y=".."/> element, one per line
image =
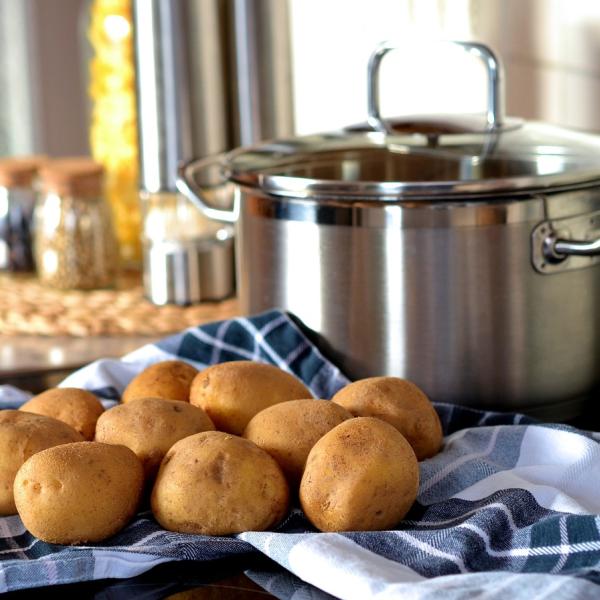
<point x="75" y="244"/>
<point x="17" y="201"/>
<point x="187" y="258"/>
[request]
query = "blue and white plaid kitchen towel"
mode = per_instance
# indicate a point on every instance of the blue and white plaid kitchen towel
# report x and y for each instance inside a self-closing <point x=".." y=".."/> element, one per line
<point x="509" y="508"/>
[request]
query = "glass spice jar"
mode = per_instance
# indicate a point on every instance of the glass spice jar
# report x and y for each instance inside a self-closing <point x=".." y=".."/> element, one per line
<point x="75" y="244"/>
<point x="17" y="201"/>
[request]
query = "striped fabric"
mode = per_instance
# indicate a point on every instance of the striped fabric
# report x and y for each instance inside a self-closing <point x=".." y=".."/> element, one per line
<point x="509" y="508"/>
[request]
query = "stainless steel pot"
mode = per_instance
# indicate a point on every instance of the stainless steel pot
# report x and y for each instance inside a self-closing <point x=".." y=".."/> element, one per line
<point x="462" y="255"/>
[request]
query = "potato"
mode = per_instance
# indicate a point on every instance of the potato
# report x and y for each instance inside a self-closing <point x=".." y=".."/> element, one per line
<point x="22" y="434"/>
<point x="288" y="431"/>
<point x="361" y="476"/>
<point x="231" y="393"/>
<point x="78" y="493"/>
<point x="402" y="404"/>
<point x="169" y="380"/>
<point x="150" y="426"/>
<point x="214" y="483"/>
<point x="78" y="408"/>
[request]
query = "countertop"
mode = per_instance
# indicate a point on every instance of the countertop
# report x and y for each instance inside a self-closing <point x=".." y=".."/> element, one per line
<point x="23" y="355"/>
<point x="36" y="363"/>
<point x="46" y="333"/>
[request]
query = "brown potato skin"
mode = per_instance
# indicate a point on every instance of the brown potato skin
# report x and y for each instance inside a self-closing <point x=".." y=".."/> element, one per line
<point x="289" y="430"/>
<point x="76" y="493"/>
<point x="231" y="393"/>
<point x="402" y="404"/>
<point x="168" y="379"/>
<point x="78" y="408"/>
<point x="22" y="434"/>
<point x="150" y="426"/>
<point x="215" y="483"/>
<point x="361" y="476"/>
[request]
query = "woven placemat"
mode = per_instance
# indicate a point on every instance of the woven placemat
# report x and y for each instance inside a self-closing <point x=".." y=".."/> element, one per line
<point x="27" y="307"/>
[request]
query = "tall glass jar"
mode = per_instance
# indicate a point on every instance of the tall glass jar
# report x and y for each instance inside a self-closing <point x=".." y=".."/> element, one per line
<point x="75" y="244"/>
<point x="113" y="121"/>
<point x="17" y="201"/>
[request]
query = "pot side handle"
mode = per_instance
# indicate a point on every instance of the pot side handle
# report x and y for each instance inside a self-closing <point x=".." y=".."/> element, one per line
<point x="574" y="238"/>
<point x="493" y="65"/>
<point x="559" y="249"/>
<point x="187" y="183"/>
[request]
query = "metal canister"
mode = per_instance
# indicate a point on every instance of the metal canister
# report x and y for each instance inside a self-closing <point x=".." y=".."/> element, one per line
<point x="191" y="103"/>
<point x="17" y="201"/>
<point x="263" y="98"/>
<point x="182" y="111"/>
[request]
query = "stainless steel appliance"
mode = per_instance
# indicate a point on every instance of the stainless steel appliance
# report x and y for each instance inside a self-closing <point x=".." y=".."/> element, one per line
<point x="462" y="254"/>
<point x="191" y="105"/>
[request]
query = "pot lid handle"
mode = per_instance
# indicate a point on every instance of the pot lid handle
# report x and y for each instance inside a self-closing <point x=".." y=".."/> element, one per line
<point x="495" y="102"/>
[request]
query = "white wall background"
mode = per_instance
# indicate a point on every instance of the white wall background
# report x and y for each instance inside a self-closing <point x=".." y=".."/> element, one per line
<point x="551" y="51"/>
<point x="550" y="48"/>
<point x="43" y="102"/>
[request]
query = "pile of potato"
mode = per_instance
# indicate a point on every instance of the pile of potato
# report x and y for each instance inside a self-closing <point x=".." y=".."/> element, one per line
<point x="218" y="452"/>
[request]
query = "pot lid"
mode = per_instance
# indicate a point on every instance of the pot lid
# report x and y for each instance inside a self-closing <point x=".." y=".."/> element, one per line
<point x="422" y="158"/>
<point x="425" y="157"/>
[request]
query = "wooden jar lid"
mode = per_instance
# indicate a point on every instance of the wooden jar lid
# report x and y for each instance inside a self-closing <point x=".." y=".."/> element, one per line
<point x="81" y="177"/>
<point x="19" y="172"/>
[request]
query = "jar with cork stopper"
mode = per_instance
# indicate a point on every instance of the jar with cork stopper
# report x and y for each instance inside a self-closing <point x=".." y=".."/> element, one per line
<point x="17" y="201"/>
<point x="75" y="244"/>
